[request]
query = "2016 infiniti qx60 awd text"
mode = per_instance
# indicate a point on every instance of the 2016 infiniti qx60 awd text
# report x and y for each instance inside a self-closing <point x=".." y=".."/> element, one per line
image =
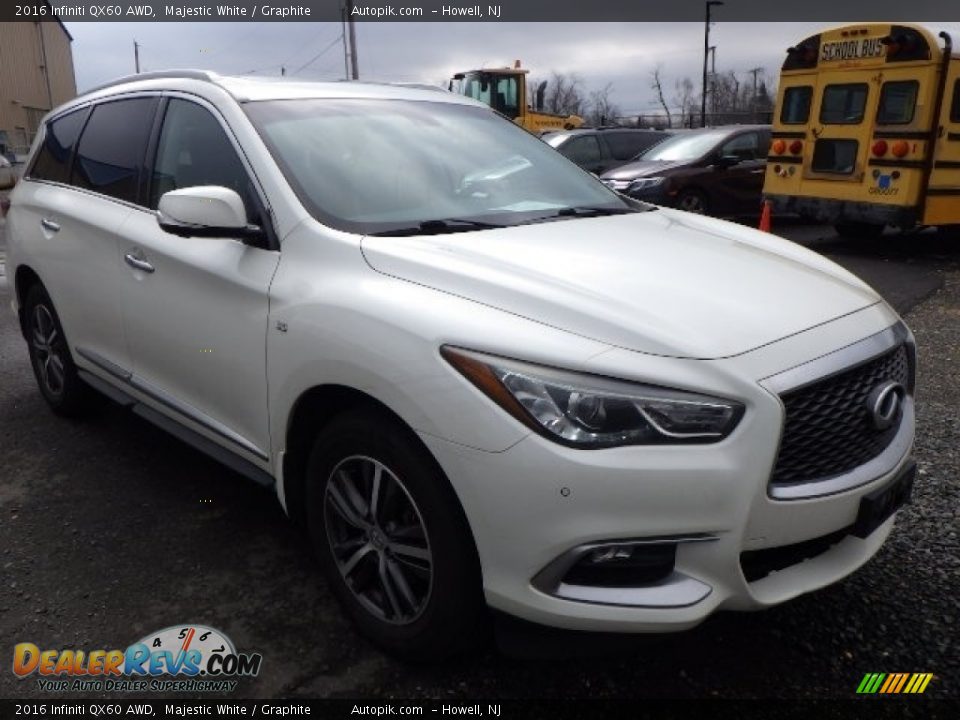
<point x="480" y="377"/>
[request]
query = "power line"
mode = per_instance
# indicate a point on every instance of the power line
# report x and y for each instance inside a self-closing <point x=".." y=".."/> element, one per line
<point x="318" y="55"/>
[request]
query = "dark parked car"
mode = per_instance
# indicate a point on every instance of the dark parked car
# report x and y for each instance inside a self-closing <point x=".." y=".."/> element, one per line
<point x="600" y="149"/>
<point x="716" y="171"/>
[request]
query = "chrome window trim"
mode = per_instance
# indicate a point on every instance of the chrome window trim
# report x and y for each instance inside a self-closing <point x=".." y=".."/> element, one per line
<point x="836" y="363"/>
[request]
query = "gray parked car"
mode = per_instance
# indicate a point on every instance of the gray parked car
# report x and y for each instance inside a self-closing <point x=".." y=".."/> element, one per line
<point x="600" y="149"/>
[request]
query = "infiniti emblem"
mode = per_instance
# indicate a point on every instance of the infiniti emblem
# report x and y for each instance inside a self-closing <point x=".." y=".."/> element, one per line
<point x="883" y="404"/>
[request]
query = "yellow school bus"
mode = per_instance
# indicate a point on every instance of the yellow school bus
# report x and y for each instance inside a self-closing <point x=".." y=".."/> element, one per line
<point x="866" y="131"/>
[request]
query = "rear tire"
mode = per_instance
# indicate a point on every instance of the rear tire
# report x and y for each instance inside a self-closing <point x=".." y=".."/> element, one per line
<point x="392" y="539"/>
<point x="859" y="230"/>
<point x="53" y="366"/>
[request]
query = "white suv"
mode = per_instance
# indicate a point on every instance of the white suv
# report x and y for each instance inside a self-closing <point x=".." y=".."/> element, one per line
<point x="477" y="375"/>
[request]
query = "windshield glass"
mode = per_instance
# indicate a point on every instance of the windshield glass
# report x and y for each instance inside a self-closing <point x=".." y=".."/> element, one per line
<point x="372" y="166"/>
<point x="685" y="146"/>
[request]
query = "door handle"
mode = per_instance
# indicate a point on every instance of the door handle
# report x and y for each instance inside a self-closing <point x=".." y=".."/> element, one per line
<point x="50" y="225"/>
<point x="136" y="260"/>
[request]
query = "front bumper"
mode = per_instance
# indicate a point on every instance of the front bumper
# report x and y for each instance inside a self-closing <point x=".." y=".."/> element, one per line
<point x="533" y="504"/>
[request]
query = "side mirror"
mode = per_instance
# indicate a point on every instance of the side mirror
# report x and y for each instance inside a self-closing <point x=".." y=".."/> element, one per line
<point x="725" y="161"/>
<point x="205" y="211"/>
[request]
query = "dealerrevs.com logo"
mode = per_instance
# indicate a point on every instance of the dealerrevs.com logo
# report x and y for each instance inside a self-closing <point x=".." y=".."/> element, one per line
<point x="182" y="658"/>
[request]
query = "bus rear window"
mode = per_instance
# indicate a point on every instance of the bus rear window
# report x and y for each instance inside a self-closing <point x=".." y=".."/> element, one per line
<point x="796" y="105"/>
<point x="897" y="102"/>
<point x="843" y="104"/>
<point x="835" y="156"/>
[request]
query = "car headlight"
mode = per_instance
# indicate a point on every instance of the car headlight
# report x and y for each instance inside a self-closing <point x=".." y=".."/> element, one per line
<point x="592" y="411"/>
<point x="645" y="183"/>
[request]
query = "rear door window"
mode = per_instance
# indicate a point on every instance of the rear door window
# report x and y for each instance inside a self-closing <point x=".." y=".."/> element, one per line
<point x="838" y="157"/>
<point x="843" y="104"/>
<point x="625" y="145"/>
<point x="582" y="150"/>
<point x="111" y="150"/>
<point x="53" y="159"/>
<point x="796" y="105"/>
<point x="898" y="100"/>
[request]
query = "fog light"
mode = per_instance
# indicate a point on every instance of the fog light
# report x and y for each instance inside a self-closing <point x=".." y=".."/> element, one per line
<point x="623" y="565"/>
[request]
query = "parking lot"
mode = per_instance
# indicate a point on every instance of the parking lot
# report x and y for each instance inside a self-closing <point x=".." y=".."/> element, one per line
<point x="110" y="529"/>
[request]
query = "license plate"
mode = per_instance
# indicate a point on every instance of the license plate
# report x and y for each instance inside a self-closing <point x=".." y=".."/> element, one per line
<point x="879" y="505"/>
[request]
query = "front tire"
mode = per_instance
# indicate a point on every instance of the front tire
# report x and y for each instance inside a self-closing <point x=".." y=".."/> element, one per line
<point x="53" y="366"/>
<point x="392" y="538"/>
<point x="693" y="201"/>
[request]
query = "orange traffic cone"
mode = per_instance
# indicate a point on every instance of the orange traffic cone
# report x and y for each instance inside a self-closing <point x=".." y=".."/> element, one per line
<point x="765" y="216"/>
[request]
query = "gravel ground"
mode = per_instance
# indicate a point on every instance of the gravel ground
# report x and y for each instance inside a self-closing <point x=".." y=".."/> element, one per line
<point x="110" y="529"/>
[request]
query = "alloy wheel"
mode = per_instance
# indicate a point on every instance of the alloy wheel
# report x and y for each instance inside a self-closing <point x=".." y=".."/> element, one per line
<point x="693" y="203"/>
<point x="47" y="350"/>
<point x="378" y="539"/>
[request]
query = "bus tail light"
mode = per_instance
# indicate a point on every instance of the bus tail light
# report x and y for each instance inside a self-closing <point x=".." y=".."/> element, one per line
<point x="879" y="148"/>
<point x="900" y="148"/>
<point x="779" y="146"/>
<point x="795" y="147"/>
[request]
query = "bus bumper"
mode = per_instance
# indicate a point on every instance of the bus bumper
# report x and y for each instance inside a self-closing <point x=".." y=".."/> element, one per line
<point x="839" y="211"/>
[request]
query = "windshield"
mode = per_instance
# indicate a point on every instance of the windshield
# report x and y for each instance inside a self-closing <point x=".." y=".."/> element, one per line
<point x="685" y="146"/>
<point x="372" y="166"/>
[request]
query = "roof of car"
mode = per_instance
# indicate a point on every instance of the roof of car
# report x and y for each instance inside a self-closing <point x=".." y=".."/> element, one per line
<point x="247" y="88"/>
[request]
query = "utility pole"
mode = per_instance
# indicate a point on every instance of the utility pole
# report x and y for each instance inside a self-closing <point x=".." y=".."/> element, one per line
<point x="343" y="36"/>
<point x="136" y="56"/>
<point x="354" y="72"/>
<point x="713" y="79"/>
<point x="706" y="51"/>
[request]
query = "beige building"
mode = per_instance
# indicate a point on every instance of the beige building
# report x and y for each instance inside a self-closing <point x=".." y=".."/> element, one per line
<point x="36" y="74"/>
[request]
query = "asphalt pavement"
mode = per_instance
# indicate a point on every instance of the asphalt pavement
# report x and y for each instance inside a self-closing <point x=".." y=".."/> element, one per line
<point x="111" y="529"/>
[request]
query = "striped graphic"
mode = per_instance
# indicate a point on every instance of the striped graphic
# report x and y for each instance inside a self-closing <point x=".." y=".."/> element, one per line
<point x="894" y="683"/>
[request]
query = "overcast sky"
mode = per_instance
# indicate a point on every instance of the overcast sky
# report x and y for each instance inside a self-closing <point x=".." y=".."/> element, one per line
<point x="623" y="54"/>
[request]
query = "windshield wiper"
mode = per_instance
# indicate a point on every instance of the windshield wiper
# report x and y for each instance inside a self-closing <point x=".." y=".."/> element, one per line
<point x="438" y="227"/>
<point x="584" y="212"/>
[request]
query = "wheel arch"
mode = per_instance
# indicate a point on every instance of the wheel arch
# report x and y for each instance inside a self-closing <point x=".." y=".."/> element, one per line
<point x="313" y="410"/>
<point x="24" y="278"/>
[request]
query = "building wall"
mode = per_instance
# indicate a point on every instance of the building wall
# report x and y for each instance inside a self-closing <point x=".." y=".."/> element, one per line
<point x="24" y="92"/>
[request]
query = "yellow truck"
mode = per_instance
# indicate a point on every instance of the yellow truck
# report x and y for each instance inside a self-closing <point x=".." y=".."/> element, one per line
<point x="866" y="132"/>
<point x="505" y="90"/>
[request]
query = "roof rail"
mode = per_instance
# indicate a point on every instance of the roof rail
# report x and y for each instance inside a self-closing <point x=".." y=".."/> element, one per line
<point x="205" y="75"/>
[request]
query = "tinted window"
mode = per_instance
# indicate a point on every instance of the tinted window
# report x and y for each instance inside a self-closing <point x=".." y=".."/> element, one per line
<point x="843" y="104"/>
<point x="897" y="102"/>
<point x="582" y="150"/>
<point x="796" y="105"/>
<point x="835" y="156"/>
<point x="112" y="146"/>
<point x="53" y="159"/>
<point x="955" y="107"/>
<point x="745" y="147"/>
<point x="194" y="150"/>
<point x="626" y="145"/>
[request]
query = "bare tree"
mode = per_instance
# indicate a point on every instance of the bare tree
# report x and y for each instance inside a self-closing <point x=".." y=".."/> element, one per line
<point x="602" y="110"/>
<point x="686" y="99"/>
<point x="564" y="95"/>
<point x="658" y="86"/>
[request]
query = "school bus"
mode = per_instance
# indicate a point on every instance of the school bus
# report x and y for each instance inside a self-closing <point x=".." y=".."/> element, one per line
<point x="866" y="130"/>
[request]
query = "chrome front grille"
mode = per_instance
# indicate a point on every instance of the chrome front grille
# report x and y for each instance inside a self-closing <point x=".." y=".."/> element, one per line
<point x="827" y="424"/>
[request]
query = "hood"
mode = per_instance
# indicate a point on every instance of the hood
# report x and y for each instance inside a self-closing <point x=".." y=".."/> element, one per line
<point x="642" y="168"/>
<point x="661" y="282"/>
